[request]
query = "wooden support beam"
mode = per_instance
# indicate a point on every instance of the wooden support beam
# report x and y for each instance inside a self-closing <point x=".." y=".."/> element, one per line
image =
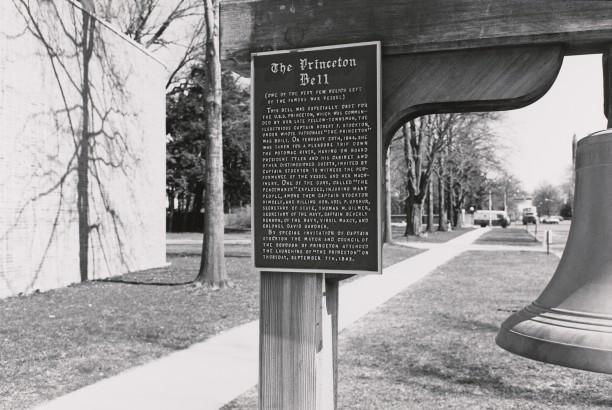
<point x="409" y="27"/>
<point x="479" y="63"/>
<point x="298" y="332"/>
<point x="465" y="81"/>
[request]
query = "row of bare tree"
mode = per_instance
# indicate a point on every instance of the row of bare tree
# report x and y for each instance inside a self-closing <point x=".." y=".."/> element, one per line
<point x="453" y="154"/>
<point x="447" y="162"/>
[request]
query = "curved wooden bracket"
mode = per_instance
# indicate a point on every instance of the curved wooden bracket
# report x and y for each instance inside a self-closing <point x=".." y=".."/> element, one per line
<point x="466" y="80"/>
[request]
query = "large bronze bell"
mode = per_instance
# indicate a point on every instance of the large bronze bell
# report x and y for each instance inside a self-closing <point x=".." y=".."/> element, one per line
<point x="570" y="323"/>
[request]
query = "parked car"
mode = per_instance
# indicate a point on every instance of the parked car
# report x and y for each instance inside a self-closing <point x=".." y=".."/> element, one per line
<point x="550" y="220"/>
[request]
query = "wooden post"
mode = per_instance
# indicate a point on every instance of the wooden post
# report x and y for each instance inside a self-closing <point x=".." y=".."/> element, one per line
<point x="298" y="330"/>
<point x="332" y="301"/>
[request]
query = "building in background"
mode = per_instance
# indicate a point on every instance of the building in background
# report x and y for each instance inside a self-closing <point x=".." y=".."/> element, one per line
<point x="82" y="164"/>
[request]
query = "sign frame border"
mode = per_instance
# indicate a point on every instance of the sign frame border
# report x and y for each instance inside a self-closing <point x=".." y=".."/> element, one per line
<point x="379" y="161"/>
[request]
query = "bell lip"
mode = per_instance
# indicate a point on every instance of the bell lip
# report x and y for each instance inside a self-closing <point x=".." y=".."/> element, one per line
<point x="596" y="137"/>
<point x="548" y="351"/>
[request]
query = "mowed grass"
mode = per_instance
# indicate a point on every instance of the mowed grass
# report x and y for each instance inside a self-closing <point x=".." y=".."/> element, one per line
<point x="433" y="345"/>
<point x="393" y="254"/>
<point x="58" y="341"/>
<point x="433" y="237"/>
<point x="513" y="235"/>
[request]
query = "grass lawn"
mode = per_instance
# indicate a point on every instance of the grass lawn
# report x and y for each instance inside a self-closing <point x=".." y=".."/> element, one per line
<point x="433" y="237"/>
<point x="184" y="235"/>
<point x="58" y="341"/>
<point x="433" y="346"/>
<point x="516" y="235"/>
<point x="198" y="236"/>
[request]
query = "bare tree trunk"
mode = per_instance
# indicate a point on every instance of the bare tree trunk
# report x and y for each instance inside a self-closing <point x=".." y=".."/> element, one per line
<point x="449" y="200"/>
<point x="388" y="230"/>
<point x="198" y="199"/>
<point x="83" y="154"/>
<point x="414" y="200"/>
<point x="460" y="219"/>
<point x="414" y="217"/>
<point x="212" y="267"/>
<point x="415" y="221"/>
<point x="430" y="208"/>
<point x="171" y="206"/>
<point x="442" y="226"/>
<point x="408" y="211"/>
<point x="185" y="216"/>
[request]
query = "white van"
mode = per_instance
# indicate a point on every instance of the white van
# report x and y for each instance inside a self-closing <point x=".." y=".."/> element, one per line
<point x="498" y="218"/>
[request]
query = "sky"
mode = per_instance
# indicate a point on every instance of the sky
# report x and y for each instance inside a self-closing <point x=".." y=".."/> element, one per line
<point x="540" y="135"/>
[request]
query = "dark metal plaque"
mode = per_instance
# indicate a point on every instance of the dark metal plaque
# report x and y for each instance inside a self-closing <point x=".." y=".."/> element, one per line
<point x="316" y="159"/>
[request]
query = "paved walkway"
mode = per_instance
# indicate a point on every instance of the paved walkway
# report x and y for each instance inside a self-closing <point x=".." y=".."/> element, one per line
<point x="211" y="374"/>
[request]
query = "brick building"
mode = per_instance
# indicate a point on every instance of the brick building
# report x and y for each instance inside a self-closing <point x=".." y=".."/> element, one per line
<point x="82" y="149"/>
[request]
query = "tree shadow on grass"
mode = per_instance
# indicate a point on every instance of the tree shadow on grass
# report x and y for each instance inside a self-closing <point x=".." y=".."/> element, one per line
<point x="456" y="374"/>
<point x="459" y="364"/>
<point x="145" y="283"/>
<point x="183" y="254"/>
<point x="468" y="325"/>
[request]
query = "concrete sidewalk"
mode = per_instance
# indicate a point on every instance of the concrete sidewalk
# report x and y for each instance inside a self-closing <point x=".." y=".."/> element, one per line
<point x="212" y="373"/>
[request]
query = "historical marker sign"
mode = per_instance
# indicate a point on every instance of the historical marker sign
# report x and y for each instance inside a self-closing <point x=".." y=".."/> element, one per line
<point x="316" y="149"/>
